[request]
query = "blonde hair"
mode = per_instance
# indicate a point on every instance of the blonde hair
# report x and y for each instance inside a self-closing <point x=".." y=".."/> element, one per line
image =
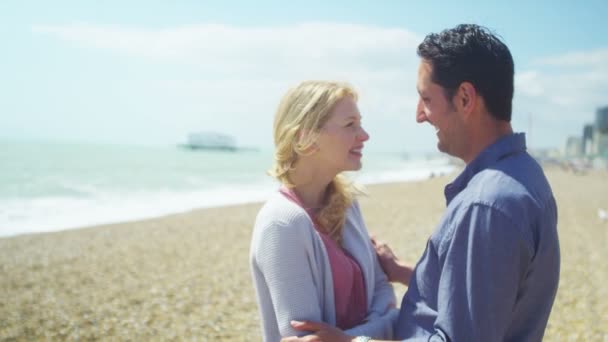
<point x="302" y="112"/>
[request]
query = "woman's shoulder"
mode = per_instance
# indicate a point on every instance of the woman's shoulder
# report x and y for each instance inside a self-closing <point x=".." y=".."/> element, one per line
<point x="278" y="211"/>
<point x="354" y="211"/>
<point x="283" y="222"/>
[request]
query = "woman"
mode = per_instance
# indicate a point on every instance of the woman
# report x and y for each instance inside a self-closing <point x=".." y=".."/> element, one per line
<point x="311" y="256"/>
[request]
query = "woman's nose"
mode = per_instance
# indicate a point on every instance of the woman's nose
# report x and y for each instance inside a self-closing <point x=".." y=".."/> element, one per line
<point x="364" y="136"/>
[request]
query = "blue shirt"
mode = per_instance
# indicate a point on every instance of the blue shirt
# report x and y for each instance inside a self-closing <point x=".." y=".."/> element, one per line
<point x="491" y="268"/>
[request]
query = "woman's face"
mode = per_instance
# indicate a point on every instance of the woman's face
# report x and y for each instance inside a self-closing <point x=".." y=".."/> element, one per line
<point x="340" y="142"/>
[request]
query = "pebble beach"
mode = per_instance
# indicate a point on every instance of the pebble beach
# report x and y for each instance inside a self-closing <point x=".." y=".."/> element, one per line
<point x="186" y="276"/>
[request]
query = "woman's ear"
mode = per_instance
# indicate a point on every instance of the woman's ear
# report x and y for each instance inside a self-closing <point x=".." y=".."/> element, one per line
<point x="303" y="135"/>
<point x="312" y="149"/>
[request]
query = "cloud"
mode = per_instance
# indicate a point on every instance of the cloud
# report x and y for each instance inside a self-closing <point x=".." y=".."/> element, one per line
<point x="579" y="77"/>
<point x="597" y="58"/>
<point x="228" y="48"/>
<point x="230" y="75"/>
<point x="529" y="83"/>
<point x="241" y="72"/>
<point x="562" y="93"/>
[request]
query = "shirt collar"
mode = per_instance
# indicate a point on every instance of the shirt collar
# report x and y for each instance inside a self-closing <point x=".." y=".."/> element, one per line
<point x="505" y="146"/>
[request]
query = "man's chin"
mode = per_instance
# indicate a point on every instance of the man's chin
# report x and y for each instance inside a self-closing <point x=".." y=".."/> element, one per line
<point x="443" y="149"/>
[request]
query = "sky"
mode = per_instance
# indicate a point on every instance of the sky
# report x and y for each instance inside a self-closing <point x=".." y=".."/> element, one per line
<point x="150" y="72"/>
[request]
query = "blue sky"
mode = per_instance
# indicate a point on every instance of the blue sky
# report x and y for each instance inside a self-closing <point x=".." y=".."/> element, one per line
<point x="149" y="72"/>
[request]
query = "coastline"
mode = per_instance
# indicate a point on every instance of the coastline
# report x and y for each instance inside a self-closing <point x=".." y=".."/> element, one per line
<point x="64" y="198"/>
<point x="186" y="276"/>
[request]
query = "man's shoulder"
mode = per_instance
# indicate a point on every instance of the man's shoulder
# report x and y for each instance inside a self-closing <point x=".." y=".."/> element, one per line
<point x="517" y="191"/>
<point x="519" y="178"/>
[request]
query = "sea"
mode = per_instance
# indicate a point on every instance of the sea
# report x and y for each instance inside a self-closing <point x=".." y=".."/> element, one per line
<point x="50" y="186"/>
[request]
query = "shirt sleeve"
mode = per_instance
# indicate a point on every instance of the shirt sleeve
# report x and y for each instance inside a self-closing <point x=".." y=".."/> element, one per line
<point x="285" y="257"/>
<point x="380" y="327"/>
<point x="485" y="258"/>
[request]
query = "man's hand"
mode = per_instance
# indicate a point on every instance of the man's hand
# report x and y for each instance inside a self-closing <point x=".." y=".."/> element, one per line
<point x="321" y="332"/>
<point x="395" y="269"/>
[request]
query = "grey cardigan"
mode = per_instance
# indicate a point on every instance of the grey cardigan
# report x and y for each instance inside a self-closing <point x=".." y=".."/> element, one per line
<point x="292" y="275"/>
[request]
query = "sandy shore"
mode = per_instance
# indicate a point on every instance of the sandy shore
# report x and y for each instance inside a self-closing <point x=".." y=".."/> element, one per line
<point x="186" y="276"/>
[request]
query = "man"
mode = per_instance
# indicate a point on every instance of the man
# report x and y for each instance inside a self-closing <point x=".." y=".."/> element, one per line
<point x="491" y="268"/>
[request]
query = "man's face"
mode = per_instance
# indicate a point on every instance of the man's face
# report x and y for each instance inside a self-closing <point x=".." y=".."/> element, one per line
<point x="436" y="109"/>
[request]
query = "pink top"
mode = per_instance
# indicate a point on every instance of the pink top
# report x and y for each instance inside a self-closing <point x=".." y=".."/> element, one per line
<point x="349" y="288"/>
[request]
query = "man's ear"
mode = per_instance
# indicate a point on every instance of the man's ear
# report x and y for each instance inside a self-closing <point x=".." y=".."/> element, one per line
<point x="466" y="97"/>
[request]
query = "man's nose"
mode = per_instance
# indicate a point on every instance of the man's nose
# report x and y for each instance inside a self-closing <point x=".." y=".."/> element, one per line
<point x="420" y="114"/>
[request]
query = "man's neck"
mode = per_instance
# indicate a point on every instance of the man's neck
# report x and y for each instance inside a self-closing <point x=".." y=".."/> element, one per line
<point x="485" y="135"/>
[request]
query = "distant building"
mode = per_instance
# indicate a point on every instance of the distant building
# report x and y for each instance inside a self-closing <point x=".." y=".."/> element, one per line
<point x="594" y="140"/>
<point x="588" y="146"/>
<point x="601" y="132"/>
<point x="574" y="147"/>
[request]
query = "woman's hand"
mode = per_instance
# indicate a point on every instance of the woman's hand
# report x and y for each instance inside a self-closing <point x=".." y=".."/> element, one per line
<point x="321" y="332"/>
<point x="395" y="269"/>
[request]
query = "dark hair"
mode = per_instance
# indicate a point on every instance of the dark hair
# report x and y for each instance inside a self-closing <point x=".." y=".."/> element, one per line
<point x="471" y="53"/>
